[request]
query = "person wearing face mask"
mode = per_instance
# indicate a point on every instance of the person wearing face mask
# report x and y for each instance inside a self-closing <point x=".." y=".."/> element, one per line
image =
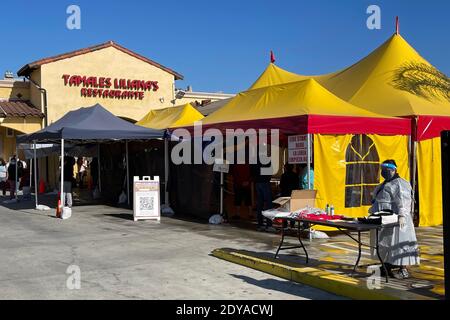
<point x="398" y="245"/>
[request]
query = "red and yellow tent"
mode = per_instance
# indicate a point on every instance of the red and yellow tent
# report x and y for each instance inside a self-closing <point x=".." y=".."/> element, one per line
<point x="395" y="80"/>
<point x="170" y="117"/>
<point x="349" y="141"/>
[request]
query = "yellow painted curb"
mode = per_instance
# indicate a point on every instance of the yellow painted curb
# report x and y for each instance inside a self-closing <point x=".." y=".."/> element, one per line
<point x="319" y="278"/>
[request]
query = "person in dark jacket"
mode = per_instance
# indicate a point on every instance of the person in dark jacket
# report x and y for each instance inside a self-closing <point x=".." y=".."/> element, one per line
<point x="69" y="162"/>
<point x="242" y="188"/>
<point x="14" y="175"/>
<point x="263" y="194"/>
<point x="289" y="181"/>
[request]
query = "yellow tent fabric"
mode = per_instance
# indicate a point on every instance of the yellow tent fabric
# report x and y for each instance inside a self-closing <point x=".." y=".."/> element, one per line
<point x="430" y="182"/>
<point x="382" y="82"/>
<point x="332" y="165"/>
<point x="171" y="117"/>
<point x="385" y="82"/>
<point x="274" y="75"/>
<point x="285" y="100"/>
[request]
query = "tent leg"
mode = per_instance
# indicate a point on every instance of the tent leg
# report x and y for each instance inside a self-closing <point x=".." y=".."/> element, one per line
<point x="62" y="174"/>
<point x="413" y="146"/>
<point x="31" y="173"/>
<point x="414" y="168"/>
<point x="128" y="173"/>
<point x="308" y="168"/>
<point x="221" y="193"/>
<point x="17" y="178"/>
<point x="99" y="171"/>
<point x="166" y="171"/>
<point x="35" y="175"/>
<point x="308" y="159"/>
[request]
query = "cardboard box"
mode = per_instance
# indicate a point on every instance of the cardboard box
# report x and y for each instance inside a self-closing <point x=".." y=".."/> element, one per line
<point x="299" y="199"/>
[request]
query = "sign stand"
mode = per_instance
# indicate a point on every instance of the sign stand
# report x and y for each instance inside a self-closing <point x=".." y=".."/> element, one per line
<point x="146" y="204"/>
<point x="222" y="167"/>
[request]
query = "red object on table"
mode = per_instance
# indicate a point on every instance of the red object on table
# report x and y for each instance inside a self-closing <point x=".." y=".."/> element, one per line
<point x="322" y="217"/>
<point x="312" y="216"/>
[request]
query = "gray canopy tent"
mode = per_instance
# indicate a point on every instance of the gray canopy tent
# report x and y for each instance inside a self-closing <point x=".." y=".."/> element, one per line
<point x="93" y="124"/>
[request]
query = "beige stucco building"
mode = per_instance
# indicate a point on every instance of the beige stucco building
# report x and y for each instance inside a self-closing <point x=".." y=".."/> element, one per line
<point x="124" y="82"/>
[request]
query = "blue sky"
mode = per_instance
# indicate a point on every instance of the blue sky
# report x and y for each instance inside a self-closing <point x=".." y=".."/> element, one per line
<point x="225" y="45"/>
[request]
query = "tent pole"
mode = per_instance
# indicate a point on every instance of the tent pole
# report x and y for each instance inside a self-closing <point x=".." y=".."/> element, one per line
<point x="17" y="178"/>
<point x="221" y="193"/>
<point x="31" y="173"/>
<point x="166" y="171"/>
<point x="98" y="165"/>
<point x="35" y="174"/>
<point x="414" y="163"/>
<point x="308" y="159"/>
<point x="414" y="168"/>
<point x="62" y="174"/>
<point x="128" y="172"/>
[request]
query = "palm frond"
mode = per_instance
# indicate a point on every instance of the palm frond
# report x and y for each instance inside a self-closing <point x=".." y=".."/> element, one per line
<point x="422" y="80"/>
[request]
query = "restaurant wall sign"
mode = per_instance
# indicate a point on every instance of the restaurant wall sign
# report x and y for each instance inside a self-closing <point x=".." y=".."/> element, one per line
<point x="110" y="88"/>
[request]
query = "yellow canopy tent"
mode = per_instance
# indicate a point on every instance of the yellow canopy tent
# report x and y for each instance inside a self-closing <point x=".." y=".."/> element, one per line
<point x="395" y="80"/>
<point x="170" y="117"/>
<point x="349" y="141"/>
<point x="165" y="118"/>
<point x="299" y="98"/>
<point x="274" y="75"/>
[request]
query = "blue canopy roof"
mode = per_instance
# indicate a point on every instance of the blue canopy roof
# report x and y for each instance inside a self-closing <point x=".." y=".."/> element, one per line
<point x="91" y="123"/>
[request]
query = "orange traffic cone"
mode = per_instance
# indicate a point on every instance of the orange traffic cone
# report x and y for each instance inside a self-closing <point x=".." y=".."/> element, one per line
<point x="58" y="206"/>
<point x="41" y="187"/>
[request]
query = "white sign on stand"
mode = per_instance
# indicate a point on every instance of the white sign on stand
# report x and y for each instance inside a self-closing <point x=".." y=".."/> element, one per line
<point x="146" y="204"/>
<point x="297" y="149"/>
<point x="221" y="166"/>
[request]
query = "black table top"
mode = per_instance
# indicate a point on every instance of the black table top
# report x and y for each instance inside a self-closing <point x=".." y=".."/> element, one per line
<point x="355" y="226"/>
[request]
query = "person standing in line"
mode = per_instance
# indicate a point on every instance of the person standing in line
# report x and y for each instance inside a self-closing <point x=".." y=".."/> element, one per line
<point x="94" y="171"/>
<point x="81" y="166"/>
<point x="69" y="162"/>
<point x="14" y="175"/>
<point x="3" y="176"/>
<point x="242" y="188"/>
<point x="263" y="195"/>
<point x="289" y="181"/>
<point x="304" y="177"/>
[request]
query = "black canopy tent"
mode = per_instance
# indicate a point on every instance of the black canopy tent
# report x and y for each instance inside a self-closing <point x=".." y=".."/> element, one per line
<point x="88" y="125"/>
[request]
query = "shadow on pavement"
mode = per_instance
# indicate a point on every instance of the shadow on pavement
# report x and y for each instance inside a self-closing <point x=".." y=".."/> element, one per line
<point x="125" y="216"/>
<point x="282" y="286"/>
<point x="414" y="284"/>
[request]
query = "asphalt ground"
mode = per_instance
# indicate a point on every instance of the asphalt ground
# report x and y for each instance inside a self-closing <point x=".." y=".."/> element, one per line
<point x="118" y="258"/>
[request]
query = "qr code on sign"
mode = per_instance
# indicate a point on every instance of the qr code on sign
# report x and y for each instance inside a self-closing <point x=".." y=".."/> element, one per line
<point x="146" y="203"/>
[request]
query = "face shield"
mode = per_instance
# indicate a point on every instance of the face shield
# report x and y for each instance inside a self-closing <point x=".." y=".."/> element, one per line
<point x="388" y="170"/>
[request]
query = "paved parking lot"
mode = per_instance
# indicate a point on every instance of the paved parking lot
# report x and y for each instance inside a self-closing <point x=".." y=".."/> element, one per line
<point x="122" y="259"/>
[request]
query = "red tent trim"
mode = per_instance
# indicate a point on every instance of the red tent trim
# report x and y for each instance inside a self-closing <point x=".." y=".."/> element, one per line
<point x="429" y="127"/>
<point x="321" y="125"/>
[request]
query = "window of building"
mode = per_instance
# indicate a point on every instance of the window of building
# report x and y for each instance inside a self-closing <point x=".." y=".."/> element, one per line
<point x="9" y="133"/>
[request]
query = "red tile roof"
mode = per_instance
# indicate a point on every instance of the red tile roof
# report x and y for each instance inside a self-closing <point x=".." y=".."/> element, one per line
<point x="28" y="68"/>
<point x="18" y="108"/>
